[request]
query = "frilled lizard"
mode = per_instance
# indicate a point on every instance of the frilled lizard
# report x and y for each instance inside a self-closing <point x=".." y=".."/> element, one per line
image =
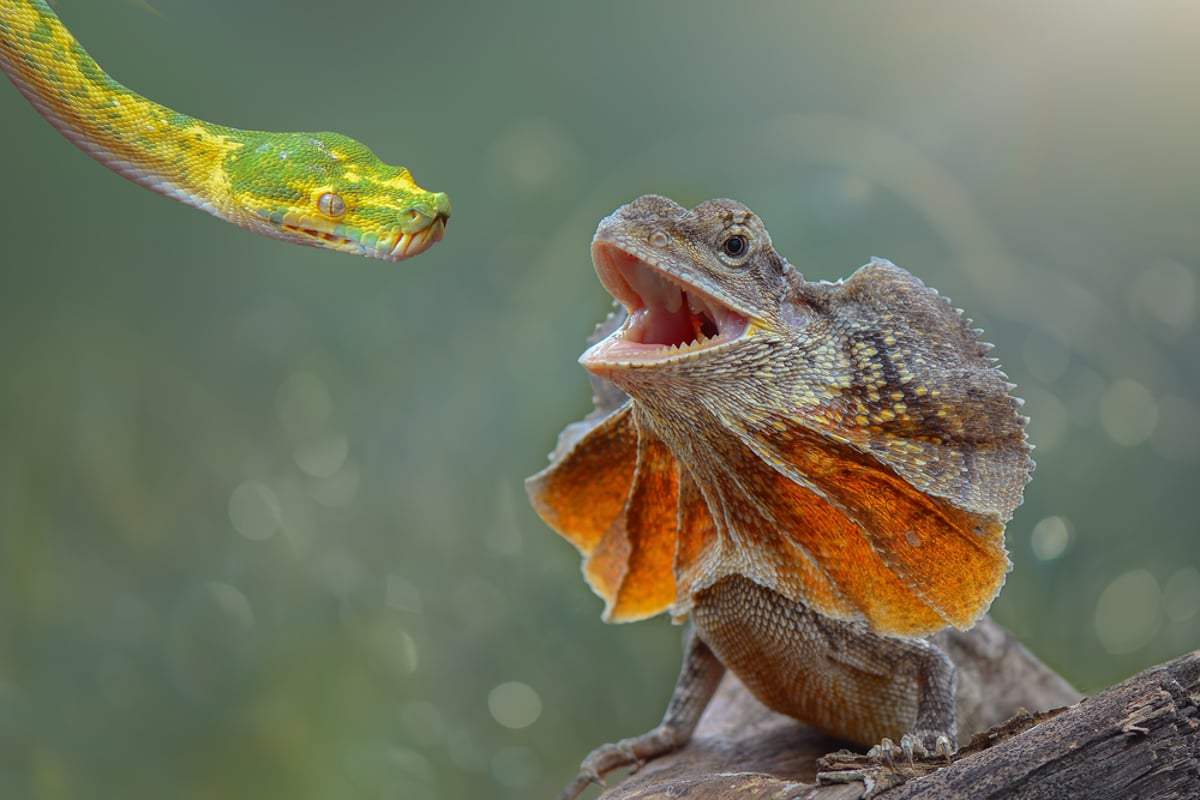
<point x="819" y="474"/>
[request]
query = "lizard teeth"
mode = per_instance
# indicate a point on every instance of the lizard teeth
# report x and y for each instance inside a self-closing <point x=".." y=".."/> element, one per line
<point x="668" y="318"/>
<point x="675" y="299"/>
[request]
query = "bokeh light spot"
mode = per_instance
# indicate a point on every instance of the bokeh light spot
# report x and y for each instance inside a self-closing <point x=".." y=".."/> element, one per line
<point x="339" y="488"/>
<point x="1048" y="418"/>
<point x="1129" y="611"/>
<point x="393" y="649"/>
<point x="400" y="594"/>
<point x="1167" y="292"/>
<point x="322" y="456"/>
<point x="464" y="749"/>
<point x="304" y="404"/>
<point x="1181" y="594"/>
<point x="1128" y="412"/>
<point x="299" y="522"/>
<point x="232" y="601"/>
<point x="1177" y="437"/>
<point x="254" y="510"/>
<point x="1051" y="537"/>
<point x="514" y="705"/>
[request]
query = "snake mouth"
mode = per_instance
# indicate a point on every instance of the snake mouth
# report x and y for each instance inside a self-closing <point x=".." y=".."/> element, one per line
<point x="320" y="238"/>
<point x="669" y="320"/>
<point x="404" y="245"/>
<point x="411" y="244"/>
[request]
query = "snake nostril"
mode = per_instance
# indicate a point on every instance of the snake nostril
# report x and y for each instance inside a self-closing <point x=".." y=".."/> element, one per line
<point x="414" y="219"/>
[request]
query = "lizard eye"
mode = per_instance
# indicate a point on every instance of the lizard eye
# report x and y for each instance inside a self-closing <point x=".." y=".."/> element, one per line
<point x="734" y="249"/>
<point x="331" y="205"/>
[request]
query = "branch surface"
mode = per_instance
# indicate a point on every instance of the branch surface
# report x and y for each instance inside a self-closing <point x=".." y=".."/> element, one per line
<point x="1138" y="739"/>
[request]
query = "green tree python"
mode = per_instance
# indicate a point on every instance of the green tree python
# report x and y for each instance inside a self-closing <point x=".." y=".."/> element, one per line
<point x="316" y="189"/>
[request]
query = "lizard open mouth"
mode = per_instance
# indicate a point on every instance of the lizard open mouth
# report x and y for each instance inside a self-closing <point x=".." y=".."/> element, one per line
<point x="667" y="318"/>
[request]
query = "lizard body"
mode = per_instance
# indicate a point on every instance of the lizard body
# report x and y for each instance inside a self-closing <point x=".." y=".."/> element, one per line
<point x="818" y="474"/>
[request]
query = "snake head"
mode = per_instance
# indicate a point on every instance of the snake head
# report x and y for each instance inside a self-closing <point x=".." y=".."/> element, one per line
<point x="328" y="190"/>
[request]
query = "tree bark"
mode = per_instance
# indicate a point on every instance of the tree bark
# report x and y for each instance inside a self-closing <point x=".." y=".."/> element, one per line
<point x="1138" y="739"/>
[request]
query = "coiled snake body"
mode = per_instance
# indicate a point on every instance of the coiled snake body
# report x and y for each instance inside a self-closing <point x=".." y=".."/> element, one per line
<point x="316" y="189"/>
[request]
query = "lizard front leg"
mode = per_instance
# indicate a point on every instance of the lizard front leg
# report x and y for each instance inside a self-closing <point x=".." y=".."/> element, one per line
<point x="697" y="682"/>
<point x="935" y="730"/>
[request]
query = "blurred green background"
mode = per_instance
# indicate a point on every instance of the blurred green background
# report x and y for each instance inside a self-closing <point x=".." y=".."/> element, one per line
<point x="262" y="527"/>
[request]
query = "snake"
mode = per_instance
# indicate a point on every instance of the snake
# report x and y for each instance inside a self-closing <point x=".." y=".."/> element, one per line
<point x="317" y="189"/>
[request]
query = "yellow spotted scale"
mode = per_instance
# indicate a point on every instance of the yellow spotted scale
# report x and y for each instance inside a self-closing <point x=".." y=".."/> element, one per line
<point x="317" y="189"/>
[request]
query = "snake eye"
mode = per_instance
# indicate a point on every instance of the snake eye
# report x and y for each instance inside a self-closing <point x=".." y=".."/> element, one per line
<point x="735" y="249"/>
<point x="331" y="204"/>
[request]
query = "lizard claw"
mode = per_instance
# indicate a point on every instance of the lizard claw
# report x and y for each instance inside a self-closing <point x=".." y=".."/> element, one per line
<point x="585" y="778"/>
<point x="625" y="748"/>
<point x="884" y="752"/>
<point x="944" y="747"/>
<point x="911" y="745"/>
<point x="632" y="753"/>
<point x="918" y="744"/>
<point x="934" y="742"/>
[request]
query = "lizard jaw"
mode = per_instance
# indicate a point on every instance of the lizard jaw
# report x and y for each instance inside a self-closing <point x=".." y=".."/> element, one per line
<point x="669" y="320"/>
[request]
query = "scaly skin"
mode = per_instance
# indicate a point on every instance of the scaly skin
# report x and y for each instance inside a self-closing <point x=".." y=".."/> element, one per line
<point x="315" y="189"/>
<point x="819" y="474"/>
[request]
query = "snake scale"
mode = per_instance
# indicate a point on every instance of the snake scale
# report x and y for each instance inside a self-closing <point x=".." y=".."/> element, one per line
<point x="317" y="189"/>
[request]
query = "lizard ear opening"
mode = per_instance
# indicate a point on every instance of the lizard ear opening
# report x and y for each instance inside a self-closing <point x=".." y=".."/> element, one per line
<point x="794" y="313"/>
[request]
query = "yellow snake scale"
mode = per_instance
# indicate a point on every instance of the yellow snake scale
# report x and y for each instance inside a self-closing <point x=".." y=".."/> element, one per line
<point x="317" y="189"/>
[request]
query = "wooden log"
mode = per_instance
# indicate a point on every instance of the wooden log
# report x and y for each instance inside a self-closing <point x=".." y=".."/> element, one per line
<point x="1138" y="739"/>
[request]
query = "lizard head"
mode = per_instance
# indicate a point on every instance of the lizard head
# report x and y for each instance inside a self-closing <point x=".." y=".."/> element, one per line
<point x="692" y="282"/>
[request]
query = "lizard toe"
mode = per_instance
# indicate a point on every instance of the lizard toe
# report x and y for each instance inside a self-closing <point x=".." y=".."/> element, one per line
<point x="584" y="779"/>
<point x="911" y="745"/>
<point x="945" y="747"/>
<point x="884" y="752"/>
